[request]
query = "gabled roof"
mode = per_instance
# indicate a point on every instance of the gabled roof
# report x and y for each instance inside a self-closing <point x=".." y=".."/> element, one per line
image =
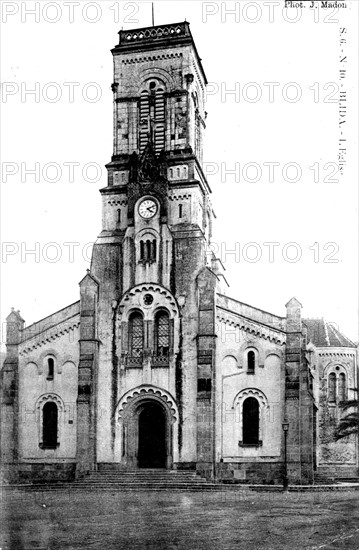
<point x="324" y="334"/>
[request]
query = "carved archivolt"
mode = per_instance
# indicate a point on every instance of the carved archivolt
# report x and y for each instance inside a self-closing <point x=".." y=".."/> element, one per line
<point x="251" y="392"/>
<point x="42" y="400"/>
<point x="147" y="391"/>
<point x="53" y="397"/>
<point x="147" y="231"/>
<point x="134" y="299"/>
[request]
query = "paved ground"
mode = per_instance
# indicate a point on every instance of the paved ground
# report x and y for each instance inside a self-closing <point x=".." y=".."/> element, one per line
<point x="191" y="521"/>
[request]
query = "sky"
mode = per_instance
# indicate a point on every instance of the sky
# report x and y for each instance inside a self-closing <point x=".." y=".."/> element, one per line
<point x="286" y="219"/>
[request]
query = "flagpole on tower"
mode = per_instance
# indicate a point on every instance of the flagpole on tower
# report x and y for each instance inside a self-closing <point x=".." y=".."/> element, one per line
<point x="153" y="15"/>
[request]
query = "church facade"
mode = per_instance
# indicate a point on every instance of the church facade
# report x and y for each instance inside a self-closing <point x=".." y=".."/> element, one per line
<point x="155" y="366"/>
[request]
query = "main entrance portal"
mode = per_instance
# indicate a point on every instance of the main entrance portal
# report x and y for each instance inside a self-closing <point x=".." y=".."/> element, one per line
<point x="152" y="437"/>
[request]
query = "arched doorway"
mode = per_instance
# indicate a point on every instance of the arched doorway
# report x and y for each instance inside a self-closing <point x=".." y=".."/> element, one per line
<point x="152" y="451"/>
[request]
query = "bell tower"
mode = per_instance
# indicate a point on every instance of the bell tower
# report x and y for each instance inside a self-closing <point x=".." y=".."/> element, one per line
<point x="156" y="185"/>
<point x="150" y="259"/>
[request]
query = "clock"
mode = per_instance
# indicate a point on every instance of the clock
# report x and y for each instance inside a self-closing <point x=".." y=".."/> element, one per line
<point x="147" y="209"/>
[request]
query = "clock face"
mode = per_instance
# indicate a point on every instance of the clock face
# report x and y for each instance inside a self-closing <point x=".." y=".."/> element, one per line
<point x="147" y="208"/>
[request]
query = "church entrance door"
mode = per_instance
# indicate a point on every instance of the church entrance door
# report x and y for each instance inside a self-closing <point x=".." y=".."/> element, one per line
<point x="152" y="437"/>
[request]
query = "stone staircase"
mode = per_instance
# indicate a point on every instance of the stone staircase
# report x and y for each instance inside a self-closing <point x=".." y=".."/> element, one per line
<point x="132" y="480"/>
<point x="145" y="479"/>
<point x="331" y="478"/>
<point x="323" y="479"/>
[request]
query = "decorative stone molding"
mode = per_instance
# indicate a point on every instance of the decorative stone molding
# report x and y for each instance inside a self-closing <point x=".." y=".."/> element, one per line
<point x="331" y="367"/>
<point x="177" y="197"/>
<point x="119" y="202"/>
<point x="53" y="397"/>
<point x="251" y="392"/>
<point x="147" y="231"/>
<point x="146" y="58"/>
<point x="48" y="336"/>
<point x="331" y="353"/>
<point x="154" y="33"/>
<point x="144" y="392"/>
<point x="42" y="400"/>
<point x="263" y="409"/>
<point x="251" y="345"/>
<point x="255" y="330"/>
<point x="162" y="298"/>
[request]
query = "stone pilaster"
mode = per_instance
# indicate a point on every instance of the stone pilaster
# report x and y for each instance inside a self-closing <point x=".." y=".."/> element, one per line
<point x="298" y="399"/>
<point x="206" y="373"/>
<point x="87" y="375"/>
<point x="9" y="413"/>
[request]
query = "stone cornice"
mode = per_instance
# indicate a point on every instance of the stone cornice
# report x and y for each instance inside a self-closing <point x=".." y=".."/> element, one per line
<point x="49" y="335"/>
<point x="252" y="327"/>
<point x="336" y="353"/>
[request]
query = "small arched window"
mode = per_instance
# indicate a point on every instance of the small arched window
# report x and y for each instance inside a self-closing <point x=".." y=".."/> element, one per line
<point x="251" y="362"/>
<point x="332" y="387"/>
<point x="135" y="336"/>
<point x="342" y="391"/>
<point x="250" y="421"/>
<point x="148" y="251"/>
<point x="162" y="334"/>
<point x="49" y="425"/>
<point x="50" y="368"/>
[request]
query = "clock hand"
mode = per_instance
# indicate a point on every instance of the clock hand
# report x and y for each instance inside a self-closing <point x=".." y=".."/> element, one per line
<point x="150" y="208"/>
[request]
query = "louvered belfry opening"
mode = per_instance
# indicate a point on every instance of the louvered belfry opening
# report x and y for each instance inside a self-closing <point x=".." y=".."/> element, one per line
<point x="152" y="117"/>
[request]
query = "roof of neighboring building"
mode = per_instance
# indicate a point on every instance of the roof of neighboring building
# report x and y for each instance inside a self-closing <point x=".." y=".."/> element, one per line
<point x="324" y="334"/>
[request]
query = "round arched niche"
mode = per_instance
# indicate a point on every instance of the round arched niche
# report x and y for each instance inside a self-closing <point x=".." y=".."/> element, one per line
<point x="229" y="365"/>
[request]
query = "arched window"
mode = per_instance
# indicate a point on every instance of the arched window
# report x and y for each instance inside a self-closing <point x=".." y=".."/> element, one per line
<point x="162" y="334"/>
<point x="135" y="336"/>
<point x="342" y="391"/>
<point x="250" y="421"/>
<point x="50" y="368"/>
<point x="332" y="387"/>
<point x="49" y="425"/>
<point x="251" y="362"/>
<point x="148" y="251"/>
